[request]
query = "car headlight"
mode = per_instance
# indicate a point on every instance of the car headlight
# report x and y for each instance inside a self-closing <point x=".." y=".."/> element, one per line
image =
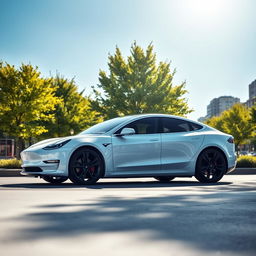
<point x="56" y="145"/>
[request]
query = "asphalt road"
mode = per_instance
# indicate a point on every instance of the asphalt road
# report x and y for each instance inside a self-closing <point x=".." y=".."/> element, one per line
<point x="128" y="217"/>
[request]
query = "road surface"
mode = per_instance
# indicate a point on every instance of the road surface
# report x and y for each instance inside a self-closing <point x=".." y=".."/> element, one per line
<point x="128" y="217"/>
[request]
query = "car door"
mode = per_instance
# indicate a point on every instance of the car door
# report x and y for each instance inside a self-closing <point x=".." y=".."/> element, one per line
<point x="137" y="154"/>
<point x="180" y="142"/>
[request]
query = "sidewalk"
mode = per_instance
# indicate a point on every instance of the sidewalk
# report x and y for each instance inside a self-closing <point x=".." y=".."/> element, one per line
<point x="16" y="172"/>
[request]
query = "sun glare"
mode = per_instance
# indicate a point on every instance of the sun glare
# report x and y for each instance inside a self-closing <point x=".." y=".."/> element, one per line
<point x="204" y="12"/>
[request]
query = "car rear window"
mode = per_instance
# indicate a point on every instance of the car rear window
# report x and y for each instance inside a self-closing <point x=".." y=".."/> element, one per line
<point x="170" y="125"/>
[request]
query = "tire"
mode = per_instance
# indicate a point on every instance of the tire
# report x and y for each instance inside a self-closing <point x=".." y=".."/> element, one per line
<point x="164" y="178"/>
<point x="211" y="166"/>
<point x="86" y="167"/>
<point x="55" y="180"/>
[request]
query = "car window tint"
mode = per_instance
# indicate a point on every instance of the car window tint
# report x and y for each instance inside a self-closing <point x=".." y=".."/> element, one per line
<point x="195" y="126"/>
<point x="143" y="126"/>
<point x="105" y="126"/>
<point x="177" y="125"/>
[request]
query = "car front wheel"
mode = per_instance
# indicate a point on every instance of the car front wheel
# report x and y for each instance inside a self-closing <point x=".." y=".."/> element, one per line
<point x="85" y="167"/>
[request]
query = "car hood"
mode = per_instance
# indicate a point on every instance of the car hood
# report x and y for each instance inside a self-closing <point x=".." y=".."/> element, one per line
<point x="44" y="143"/>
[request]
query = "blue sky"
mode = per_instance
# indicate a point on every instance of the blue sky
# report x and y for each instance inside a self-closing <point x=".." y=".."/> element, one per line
<point x="212" y="44"/>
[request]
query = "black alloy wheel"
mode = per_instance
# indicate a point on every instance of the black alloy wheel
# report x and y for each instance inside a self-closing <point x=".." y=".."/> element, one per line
<point x="85" y="167"/>
<point x="55" y="180"/>
<point x="164" y="178"/>
<point x="211" y="166"/>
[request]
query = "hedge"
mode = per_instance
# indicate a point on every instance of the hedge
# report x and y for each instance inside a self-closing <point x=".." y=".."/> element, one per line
<point x="246" y="162"/>
<point x="10" y="163"/>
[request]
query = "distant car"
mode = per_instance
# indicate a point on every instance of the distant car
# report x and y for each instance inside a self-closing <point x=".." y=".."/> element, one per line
<point x="150" y="145"/>
<point x="252" y="154"/>
<point x="244" y="153"/>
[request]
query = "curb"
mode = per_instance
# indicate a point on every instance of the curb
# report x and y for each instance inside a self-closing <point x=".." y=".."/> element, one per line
<point x="243" y="171"/>
<point x="10" y="172"/>
<point x="16" y="172"/>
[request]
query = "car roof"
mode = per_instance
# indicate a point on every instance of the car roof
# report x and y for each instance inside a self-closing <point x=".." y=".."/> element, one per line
<point x="162" y="115"/>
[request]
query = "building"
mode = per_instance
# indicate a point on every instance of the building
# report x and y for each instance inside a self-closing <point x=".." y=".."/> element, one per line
<point x="220" y="104"/>
<point x="252" y="95"/>
<point x="6" y="148"/>
<point x="202" y="119"/>
<point x="252" y="89"/>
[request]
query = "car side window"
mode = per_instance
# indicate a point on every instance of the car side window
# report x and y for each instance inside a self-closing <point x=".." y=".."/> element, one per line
<point x="195" y="126"/>
<point x="143" y="126"/>
<point x="170" y="125"/>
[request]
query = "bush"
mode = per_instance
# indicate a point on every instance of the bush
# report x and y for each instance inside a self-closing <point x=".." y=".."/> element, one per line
<point x="10" y="163"/>
<point x="246" y="161"/>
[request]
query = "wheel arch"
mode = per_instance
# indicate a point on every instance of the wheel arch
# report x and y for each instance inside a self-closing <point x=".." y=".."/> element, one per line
<point x="92" y="148"/>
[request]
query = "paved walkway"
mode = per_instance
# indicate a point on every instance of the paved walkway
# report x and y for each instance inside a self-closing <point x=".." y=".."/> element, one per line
<point x="128" y="217"/>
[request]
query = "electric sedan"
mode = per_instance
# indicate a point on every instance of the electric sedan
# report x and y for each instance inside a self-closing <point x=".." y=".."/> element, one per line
<point x="150" y="145"/>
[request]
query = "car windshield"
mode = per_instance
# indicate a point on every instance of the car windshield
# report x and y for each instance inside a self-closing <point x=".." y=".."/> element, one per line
<point x="105" y="126"/>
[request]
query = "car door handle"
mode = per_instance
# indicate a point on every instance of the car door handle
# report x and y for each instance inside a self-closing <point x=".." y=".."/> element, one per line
<point x="154" y="140"/>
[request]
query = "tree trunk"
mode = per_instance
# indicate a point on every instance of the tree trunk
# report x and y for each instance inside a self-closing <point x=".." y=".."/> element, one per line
<point x="237" y="149"/>
<point x="30" y="141"/>
<point x="20" y="145"/>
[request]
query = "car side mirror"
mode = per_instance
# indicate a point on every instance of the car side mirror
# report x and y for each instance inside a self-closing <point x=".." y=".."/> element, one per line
<point x="127" y="131"/>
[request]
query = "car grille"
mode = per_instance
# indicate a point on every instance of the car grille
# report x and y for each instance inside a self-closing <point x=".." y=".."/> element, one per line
<point x="32" y="169"/>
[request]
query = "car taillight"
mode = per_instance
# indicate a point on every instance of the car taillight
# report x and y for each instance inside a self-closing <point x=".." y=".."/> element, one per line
<point x="231" y="140"/>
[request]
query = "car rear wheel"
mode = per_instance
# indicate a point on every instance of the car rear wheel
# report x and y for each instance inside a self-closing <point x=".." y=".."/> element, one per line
<point x="85" y="167"/>
<point x="164" y="178"/>
<point x="211" y="166"/>
<point x="55" y="180"/>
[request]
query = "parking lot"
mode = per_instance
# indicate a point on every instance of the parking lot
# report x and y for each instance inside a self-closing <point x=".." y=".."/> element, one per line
<point x="128" y="217"/>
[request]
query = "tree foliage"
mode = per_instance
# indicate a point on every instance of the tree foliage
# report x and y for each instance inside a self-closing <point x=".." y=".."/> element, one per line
<point x="236" y="121"/>
<point x="25" y="99"/>
<point x="253" y="114"/>
<point x="253" y="123"/>
<point x="72" y="113"/>
<point x="139" y="85"/>
<point x="217" y="122"/>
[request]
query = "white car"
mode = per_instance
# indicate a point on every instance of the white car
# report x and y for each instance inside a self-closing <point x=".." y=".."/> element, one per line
<point x="150" y="145"/>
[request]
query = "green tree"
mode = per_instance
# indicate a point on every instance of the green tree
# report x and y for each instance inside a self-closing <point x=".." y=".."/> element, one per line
<point x="253" y="122"/>
<point x="72" y="113"/>
<point x="139" y="85"/>
<point x="236" y="121"/>
<point x="25" y="99"/>
<point x="217" y="122"/>
<point x="253" y="114"/>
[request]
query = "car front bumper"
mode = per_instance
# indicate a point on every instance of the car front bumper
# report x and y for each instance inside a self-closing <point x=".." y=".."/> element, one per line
<point x="42" y="162"/>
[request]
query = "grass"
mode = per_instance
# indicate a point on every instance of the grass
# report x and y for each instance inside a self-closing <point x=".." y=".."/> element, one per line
<point x="246" y="162"/>
<point x="10" y="163"/>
